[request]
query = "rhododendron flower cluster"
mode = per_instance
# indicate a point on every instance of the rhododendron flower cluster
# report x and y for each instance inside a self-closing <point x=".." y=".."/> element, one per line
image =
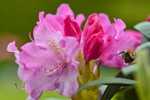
<point x="103" y="40"/>
<point x="49" y="62"/>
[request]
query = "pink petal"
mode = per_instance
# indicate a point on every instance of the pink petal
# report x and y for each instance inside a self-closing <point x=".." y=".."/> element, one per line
<point x="41" y="16"/>
<point x="24" y="73"/>
<point x="130" y="40"/>
<point x="80" y="18"/>
<point x="43" y="34"/>
<point x="41" y="20"/>
<point x="109" y="56"/>
<point x="104" y="21"/>
<point x="67" y="82"/>
<point x="64" y="10"/>
<point x="38" y="82"/>
<point x="12" y="47"/>
<point x="119" y="25"/>
<point x="135" y="35"/>
<point x="33" y="56"/>
<point x="53" y="24"/>
<point x="75" y="47"/>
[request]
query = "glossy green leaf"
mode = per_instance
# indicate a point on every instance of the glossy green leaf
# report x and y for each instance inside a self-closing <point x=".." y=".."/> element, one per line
<point x="128" y="70"/>
<point x="145" y="45"/>
<point x="109" y="81"/>
<point x="126" y="94"/>
<point x="143" y="27"/>
<point x="143" y="74"/>
<point x="145" y="39"/>
<point x="110" y="92"/>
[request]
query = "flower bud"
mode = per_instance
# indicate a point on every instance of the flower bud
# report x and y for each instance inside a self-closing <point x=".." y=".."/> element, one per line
<point x="93" y="36"/>
<point x="92" y="26"/>
<point x="93" y="47"/>
<point x="71" y="28"/>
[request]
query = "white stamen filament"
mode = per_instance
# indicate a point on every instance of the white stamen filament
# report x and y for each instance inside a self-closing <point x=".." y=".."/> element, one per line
<point x="51" y="70"/>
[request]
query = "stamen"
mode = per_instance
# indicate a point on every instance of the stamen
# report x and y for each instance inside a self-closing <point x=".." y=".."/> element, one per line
<point x="16" y="85"/>
<point x="29" y="34"/>
<point x="53" y="69"/>
<point x="55" y="47"/>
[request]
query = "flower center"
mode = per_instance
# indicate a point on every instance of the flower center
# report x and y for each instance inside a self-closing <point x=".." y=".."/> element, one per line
<point x="55" y="47"/>
<point x="53" y="69"/>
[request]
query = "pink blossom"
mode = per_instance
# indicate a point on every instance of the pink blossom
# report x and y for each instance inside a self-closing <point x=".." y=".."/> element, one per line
<point x="116" y="39"/>
<point x="48" y="62"/>
<point x="93" y="38"/>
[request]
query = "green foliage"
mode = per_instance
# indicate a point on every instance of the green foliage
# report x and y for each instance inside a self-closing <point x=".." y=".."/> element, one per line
<point x="145" y="45"/>
<point x="109" y="81"/>
<point x="108" y="72"/>
<point x="87" y="74"/>
<point x="143" y="74"/>
<point x="143" y="62"/>
<point x="128" y="70"/>
<point x="110" y="92"/>
<point x="144" y="28"/>
<point x="126" y="94"/>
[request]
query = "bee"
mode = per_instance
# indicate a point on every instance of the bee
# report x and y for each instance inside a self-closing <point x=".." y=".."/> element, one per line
<point x="128" y="56"/>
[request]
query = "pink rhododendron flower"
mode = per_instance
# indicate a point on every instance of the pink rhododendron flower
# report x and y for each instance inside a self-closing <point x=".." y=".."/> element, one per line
<point x="48" y="62"/>
<point x="116" y="39"/>
<point x="93" y="38"/>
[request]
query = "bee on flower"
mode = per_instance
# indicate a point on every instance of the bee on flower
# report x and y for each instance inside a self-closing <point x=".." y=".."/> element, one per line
<point x="128" y="56"/>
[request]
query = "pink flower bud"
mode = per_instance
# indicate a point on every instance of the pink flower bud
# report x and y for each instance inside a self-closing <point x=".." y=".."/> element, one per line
<point x="93" y="36"/>
<point x="71" y="28"/>
<point x="93" y="47"/>
<point x="92" y="26"/>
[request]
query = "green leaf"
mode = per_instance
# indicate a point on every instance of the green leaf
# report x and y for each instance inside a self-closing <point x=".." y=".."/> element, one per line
<point x="109" y="81"/>
<point x="110" y="92"/>
<point x="143" y="74"/>
<point x="143" y="27"/>
<point x="145" y="39"/>
<point x="145" y="45"/>
<point x="126" y="94"/>
<point x="128" y="70"/>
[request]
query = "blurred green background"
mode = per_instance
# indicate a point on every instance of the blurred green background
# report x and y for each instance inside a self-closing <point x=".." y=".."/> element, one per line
<point x="18" y="17"/>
